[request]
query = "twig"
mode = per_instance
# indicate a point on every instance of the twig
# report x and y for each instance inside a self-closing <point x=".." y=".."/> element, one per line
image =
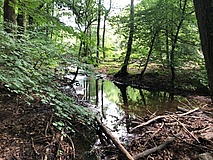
<point x="155" y="149"/>
<point x="47" y="126"/>
<point x="72" y="144"/>
<point x="161" y="117"/>
<point x="184" y="127"/>
<point x="154" y="134"/>
<point x="33" y="146"/>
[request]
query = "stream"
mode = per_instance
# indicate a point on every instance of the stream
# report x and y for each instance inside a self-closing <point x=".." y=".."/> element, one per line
<point x="113" y="101"/>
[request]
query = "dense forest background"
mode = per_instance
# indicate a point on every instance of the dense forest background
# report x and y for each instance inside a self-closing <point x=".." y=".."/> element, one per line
<point x="41" y="41"/>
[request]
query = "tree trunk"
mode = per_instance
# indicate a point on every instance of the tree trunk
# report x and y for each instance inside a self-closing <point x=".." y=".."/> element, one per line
<point x="9" y="15"/>
<point x="150" y="52"/>
<point x="21" y="21"/>
<point x="174" y="43"/>
<point x="123" y="70"/>
<point x="98" y="30"/>
<point x="204" y="14"/>
<point x="104" y="28"/>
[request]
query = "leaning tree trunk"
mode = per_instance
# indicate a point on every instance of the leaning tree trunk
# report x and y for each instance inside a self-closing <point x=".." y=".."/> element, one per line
<point x="149" y="54"/>
<point x="204" y="14"/>
<point x="123" y="70"/>
<point x="9" y="15"/>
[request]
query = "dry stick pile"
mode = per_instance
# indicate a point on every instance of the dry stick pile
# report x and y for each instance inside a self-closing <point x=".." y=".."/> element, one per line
<point x="174" y="136"/>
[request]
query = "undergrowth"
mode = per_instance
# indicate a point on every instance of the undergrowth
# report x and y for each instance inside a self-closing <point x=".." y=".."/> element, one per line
<point x="27" y="71"/>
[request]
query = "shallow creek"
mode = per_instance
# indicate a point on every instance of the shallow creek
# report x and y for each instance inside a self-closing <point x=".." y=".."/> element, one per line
<point x="113" y="101"/>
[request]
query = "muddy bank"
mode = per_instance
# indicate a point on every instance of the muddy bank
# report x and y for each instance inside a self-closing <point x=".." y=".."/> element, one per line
<point x="27" y="132"/>
<point x="183" y="85"/>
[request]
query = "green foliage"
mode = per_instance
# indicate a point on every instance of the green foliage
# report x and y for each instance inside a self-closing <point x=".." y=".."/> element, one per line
<point x="27" y="70"/>
<point x="163" y="17"/>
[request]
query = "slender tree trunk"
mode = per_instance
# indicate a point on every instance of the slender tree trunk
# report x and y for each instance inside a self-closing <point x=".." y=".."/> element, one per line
<point x="174" y="43"/>
<point x="98" y="30"/>
<point x="103" y="37"/>
<point x="204" y="14"/>
<point x="9" y="15"/>
<point x="52" y="12"/>
<point x="123" y="70"/>
<point x="167" y="46"/>
<point x="21" y="21"/>
<point x="149" y="54"/>
<point x="104" y="28"/>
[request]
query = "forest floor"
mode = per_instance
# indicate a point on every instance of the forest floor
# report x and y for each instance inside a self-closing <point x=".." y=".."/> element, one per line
<point x="26" y="132"/>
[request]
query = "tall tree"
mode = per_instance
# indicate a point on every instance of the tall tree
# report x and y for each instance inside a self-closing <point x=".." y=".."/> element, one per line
<point x="104" y="28"/>
<point x="98" y="30"/>
<point x="149" y="54"/>
<point x="9" y="15"/>
<point x="21" y="18"/>
<point x="204" y="14"/>
<point x="123" y="70"/>
<point x="176" y="36"/>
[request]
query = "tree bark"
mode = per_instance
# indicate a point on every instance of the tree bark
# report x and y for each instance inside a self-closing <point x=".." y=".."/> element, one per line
<point x="104" y="28"/>
<point x="21" y="21"/>
<point x="174" y="43"/>
<point x="9" y="15"/>
<point x="149" y="54"/>
<point x="123" y="70"/>
<point x="98" y="30"/>
<point x="204" y="14"/>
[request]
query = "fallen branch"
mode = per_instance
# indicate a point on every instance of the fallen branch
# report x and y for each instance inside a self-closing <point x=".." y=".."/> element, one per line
<point x="161" y="117"/>
<point x="184" y="127"/>
<point x="148" y="122"/>
<point x="189" y="112"/>
<point x="152" y="136"/>
<point x="114" y="140"/>
<point x="182" y="109"/>
<point x="155" y="149"/>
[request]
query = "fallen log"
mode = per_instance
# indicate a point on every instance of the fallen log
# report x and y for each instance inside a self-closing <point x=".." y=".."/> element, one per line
<point x="114" y="140"/>
<point x="155" y="149"/>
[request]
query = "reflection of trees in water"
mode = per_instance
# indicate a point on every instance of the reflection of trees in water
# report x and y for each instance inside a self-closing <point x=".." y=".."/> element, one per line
<point x="123" y="90"/>
<point x="133" y="100"/>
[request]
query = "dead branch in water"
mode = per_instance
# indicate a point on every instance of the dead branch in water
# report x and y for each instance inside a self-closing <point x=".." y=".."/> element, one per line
<point x="114" y="140"/>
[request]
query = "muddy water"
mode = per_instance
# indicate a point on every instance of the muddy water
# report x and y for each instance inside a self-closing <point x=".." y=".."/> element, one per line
<point x="113" y="102"/>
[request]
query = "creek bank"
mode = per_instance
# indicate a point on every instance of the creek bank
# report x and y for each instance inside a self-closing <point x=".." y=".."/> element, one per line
<point x="183" y="85"/>
<point x="27" y="133"/>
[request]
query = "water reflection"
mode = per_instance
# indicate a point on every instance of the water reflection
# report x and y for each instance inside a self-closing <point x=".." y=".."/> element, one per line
<point x="109" y="96"/>
<point x="115" y="101"/>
